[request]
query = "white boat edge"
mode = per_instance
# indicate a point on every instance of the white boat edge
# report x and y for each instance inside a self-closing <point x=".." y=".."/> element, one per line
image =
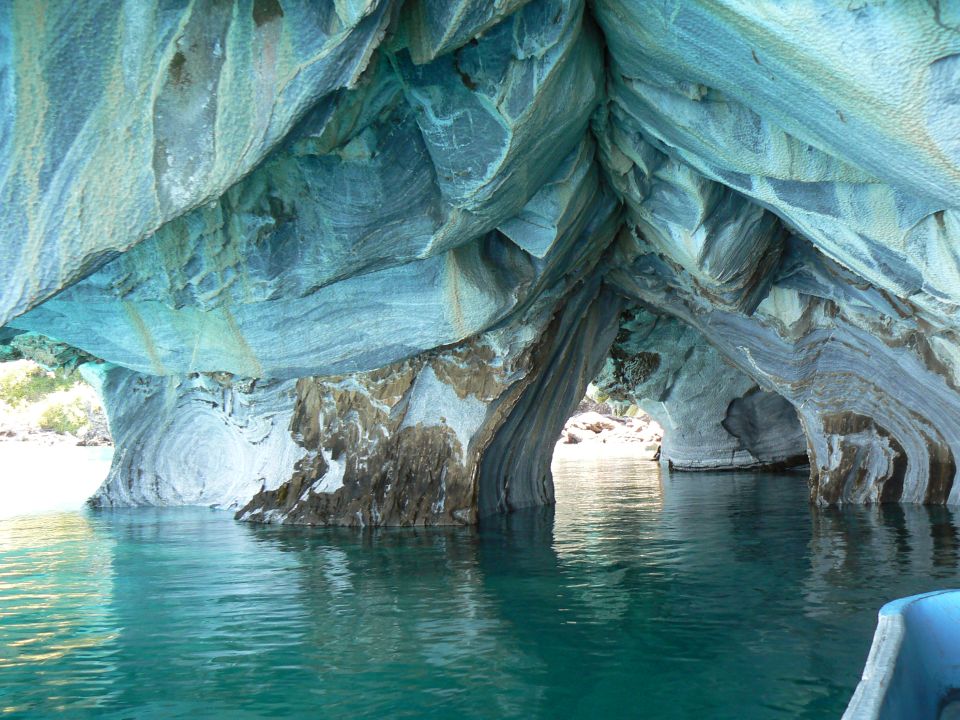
<point x="878" y="672"/>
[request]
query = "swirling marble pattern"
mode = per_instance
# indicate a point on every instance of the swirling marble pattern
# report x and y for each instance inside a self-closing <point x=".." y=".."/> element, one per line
<point x="714" y="415"/>
<point x="199" y="440"/>
<point x="319" y="194"/>
<point x="115" y="122"/>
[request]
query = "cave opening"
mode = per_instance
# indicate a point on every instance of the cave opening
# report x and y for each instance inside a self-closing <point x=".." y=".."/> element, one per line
<point x="53" y="427"/>
<point x="358" y="264"/>
<point x="604" y="444"/>
<point x="629" y="385"/>
<point x="600" y="424"/>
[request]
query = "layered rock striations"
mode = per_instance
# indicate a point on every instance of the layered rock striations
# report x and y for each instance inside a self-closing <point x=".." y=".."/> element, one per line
<point x="448" y="434"/>
<point x="204" y="439"/>
<point x="117" y="120"/>
<point x="875" y="393"/>
<point x="714" y="416"/>
<point x="355" y="262"/>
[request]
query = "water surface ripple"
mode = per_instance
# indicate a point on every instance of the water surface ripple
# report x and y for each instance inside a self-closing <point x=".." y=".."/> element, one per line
<point x="720" y="596"/>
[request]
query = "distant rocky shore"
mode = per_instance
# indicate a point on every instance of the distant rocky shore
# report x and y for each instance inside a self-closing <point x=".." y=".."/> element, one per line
<point x="49" y="408"/>
<point x="595" y="427"/>
<point x="90" y="435"/>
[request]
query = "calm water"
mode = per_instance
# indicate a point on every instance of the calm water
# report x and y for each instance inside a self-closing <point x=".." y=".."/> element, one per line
<point x="720" y="596"/>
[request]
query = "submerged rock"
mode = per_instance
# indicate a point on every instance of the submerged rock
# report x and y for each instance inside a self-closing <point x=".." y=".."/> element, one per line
<point x="411" y="228"/>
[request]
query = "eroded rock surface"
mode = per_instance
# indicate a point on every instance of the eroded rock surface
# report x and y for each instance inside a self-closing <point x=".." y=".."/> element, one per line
<point x="196" y="440"/>
<point x="447" y="435"/>
<point x="118" y="119"/>
<point x="714" y="416"/>
<point x="344" y="203"/>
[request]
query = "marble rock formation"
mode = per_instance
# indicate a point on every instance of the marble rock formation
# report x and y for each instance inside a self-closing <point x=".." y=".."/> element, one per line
<point x="351" y="262"/>
<point x="118" y="119"/>
<point x="437" y="438"/>
<point x="714" y="416"/>
<point x="204" y="439"/>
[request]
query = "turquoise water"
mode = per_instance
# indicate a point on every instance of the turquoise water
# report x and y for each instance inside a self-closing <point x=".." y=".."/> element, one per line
<point x="722" y="596"/>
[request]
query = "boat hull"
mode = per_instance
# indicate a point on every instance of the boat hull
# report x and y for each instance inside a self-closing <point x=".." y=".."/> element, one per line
<point x="913" y="669"/>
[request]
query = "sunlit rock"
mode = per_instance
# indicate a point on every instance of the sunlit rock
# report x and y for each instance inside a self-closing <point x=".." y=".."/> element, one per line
<point x="198" y="440"/>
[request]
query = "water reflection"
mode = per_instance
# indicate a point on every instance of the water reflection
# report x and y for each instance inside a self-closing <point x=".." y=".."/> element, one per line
<point x="723" y="596"/>
<point x="56" y="584"/>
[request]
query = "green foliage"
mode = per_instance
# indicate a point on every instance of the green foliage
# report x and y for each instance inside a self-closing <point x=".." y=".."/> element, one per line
<point x="33" y="384"/>
<point x="599" y="396"/>
<point x="63" y="418"/>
